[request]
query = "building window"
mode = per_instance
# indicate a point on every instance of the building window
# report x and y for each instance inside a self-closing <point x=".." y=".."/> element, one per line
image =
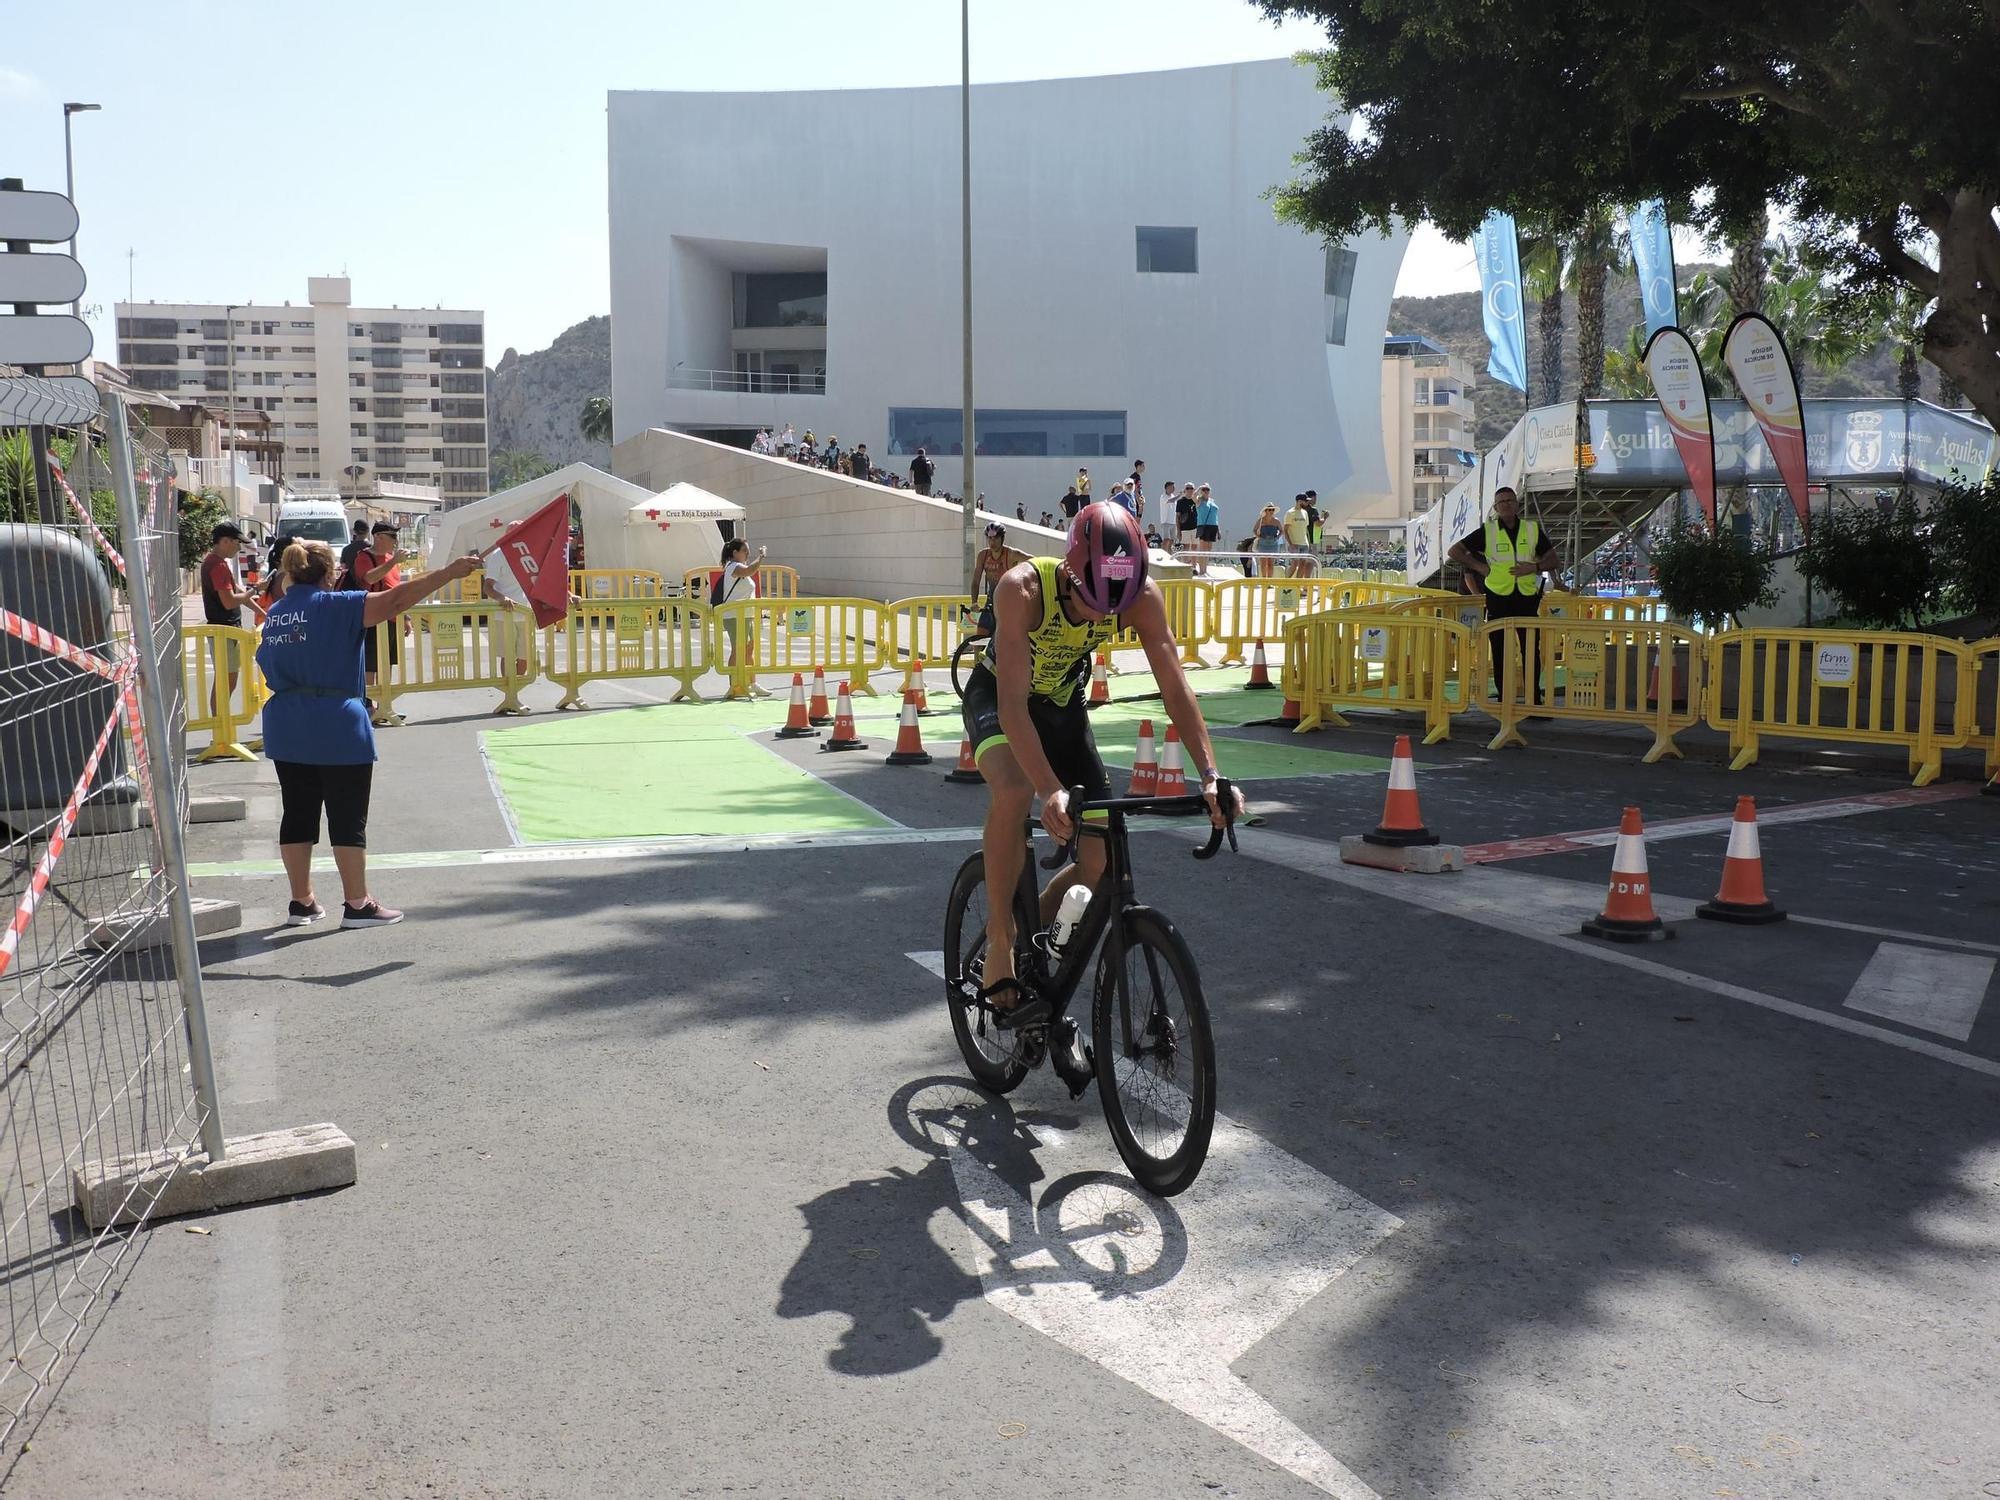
<point x="458" y="359"/>
<point x="779" y="299"/>
<point x="1166" y="249"/>
<point x="462" y="385"/>
<point x="459" y="333"/>
<point x="1340" y="263"/>
<point x="1009" y="434"/>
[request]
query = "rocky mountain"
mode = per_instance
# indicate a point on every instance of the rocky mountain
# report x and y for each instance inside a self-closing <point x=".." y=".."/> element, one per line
<point x="532" y="400"/>
<point x="1454" y="322"/>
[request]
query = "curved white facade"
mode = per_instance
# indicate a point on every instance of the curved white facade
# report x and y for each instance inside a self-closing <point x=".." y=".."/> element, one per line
<point x="720" y="204"/>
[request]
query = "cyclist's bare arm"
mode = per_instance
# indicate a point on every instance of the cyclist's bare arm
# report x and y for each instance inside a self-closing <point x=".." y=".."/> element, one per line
<point x="1148" y="619"/>
<point x="1017" y="605"/>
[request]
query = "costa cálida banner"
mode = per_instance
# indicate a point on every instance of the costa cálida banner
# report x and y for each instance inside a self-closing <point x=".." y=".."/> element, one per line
<point x="1675" y="370"/>
<point x="1761" y="366"/>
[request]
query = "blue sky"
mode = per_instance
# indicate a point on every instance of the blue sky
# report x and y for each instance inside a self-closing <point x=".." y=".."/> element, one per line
<point x="453" y="150"/>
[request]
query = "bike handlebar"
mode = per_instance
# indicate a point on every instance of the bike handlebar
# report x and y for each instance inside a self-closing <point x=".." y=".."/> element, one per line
<point x="1139" y="806"/>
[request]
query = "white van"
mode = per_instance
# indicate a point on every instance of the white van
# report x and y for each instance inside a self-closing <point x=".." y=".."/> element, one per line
<point x="314" y="521"/>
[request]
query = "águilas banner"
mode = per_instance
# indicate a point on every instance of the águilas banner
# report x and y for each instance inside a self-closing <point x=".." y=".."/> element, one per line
<point x="1675" y="370"/>
<point x="1762" y="369"/>
<point x="1499" y="252"/>
<point x="1653" y="258"/>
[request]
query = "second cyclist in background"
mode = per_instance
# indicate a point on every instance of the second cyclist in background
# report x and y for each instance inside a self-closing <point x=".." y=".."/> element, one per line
<point x="988" y="569"/>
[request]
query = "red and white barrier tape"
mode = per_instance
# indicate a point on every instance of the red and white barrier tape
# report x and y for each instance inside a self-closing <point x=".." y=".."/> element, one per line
<point x="24" y="913"/>
<point x="27" y="630"/>
<point x="135" y="732"/>
<point x="83" y="511"/>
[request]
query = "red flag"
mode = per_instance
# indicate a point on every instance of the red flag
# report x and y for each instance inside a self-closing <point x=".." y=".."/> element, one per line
<point x="537" y="550"/>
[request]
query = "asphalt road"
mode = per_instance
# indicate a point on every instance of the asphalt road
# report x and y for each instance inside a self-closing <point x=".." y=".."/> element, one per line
<point x="667" y="1187"/>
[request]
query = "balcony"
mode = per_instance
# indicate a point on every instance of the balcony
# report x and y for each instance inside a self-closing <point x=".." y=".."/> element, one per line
<point x="751" y="382"/>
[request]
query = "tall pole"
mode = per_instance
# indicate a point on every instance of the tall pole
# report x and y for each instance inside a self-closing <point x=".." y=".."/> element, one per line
<point x="229" y="402"/>
<point x="968" y="438"/>
<point x="160" y="749"/>
<point x="69" y="182"/>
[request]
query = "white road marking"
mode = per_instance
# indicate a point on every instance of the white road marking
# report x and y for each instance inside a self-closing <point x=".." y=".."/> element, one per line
<point x="1474" y="896"/>
<point x="499" y="797"/>
<point x="1262" y="1234"/>
<point x="1932" y="991"/>
<point x="1894" y="932"/>
<point x="933" y="960"/>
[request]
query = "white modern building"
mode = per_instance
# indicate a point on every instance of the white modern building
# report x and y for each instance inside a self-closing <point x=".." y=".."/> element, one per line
<point x="366" y="401"/>
<point x="795" y="258"/>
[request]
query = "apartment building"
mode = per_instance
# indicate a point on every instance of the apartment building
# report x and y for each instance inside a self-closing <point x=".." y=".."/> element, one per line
<point x="359" y="397"/>
<point x="1427" y="433"/>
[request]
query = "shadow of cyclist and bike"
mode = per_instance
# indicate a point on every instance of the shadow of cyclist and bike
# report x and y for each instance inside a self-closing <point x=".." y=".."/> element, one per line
<point x="896" y="1253"/>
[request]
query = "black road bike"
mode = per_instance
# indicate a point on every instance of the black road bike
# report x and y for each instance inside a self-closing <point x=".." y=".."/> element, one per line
<point x="1150" y="1051"/>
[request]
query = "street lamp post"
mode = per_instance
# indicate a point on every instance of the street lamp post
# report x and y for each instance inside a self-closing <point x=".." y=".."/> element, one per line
<point x="69" y="180"/>
<point x="229" y="400"/>
<point x="969" y="439"/>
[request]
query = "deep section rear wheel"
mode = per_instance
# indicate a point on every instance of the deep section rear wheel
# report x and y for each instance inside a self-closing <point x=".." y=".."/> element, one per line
<point x="963" y="660"/>
<point x="998" y="1059"/>
<point x="1155" y="1056"/>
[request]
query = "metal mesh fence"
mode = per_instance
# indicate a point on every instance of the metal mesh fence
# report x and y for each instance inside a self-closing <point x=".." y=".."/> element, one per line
<point x="94" y="1042"/>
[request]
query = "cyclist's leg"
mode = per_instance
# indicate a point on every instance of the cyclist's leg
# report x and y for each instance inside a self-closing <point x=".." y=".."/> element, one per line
<point x="1071" y="747"/>
<point x="1010" y="798"/>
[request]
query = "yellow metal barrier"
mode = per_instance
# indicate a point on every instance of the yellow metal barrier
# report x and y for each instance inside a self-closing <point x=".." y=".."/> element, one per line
<point x="847" y="638"/>
<point x="1633" y="611"/>
<point x="452" y="647"/>
<point x="1259" y="609"/>
<point x="225" y="656"/>
<point x="926" y="628"/>
<point x="1374" y="659"/>
<point x="774" y="581"/>
<point x="1648" y="674"/>
<point x="608" y="583"/>
<point x="1980" y="687"/>
<point x="630" y="638"/>
<point x="1854" y="686"/>
<point x="1191" y="615"/>
<point x="1362" y="594"/>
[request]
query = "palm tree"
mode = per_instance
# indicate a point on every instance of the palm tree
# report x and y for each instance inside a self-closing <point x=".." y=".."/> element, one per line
<point x="1747" y="264"/>
<point x="17" y="478"/>
<point x="1625" y="367"/>
<point x="1600" y="247"/>
<point x="1542" y="269"/>
<point x="594" y="421"/>
<point x="1903" y="322"/>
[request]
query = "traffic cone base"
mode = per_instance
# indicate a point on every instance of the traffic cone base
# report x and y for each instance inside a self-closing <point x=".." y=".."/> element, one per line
<point x="1260" y="673"/>
<point x="818" y="713"/>
<point x="966" y="773"/>
<point x="909" y="749"/>
<point x="1742" y="899"/>
<point x="1402" y="825"/>
<point x="1288" y="718"/>
<point x="797" y="726"/>
<point x="843" y="736"/>
<point x="1628" y="915"/>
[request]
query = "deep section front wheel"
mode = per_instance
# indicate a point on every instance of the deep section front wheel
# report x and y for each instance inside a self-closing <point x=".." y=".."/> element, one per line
<point x="1155" y="1056"/>
<point x="963" y="660"/>
<point x="998" y="1059"/>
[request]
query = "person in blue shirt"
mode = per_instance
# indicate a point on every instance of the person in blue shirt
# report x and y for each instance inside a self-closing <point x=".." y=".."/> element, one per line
<point x="1207" y="529"/>
<point x="316" y="728"/>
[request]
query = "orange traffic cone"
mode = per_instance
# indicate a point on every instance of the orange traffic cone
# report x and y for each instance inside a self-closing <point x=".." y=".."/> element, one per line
<point x="1260" y="674"/>
<point x="1100" y="681"/>
<point x="923" y="698"/>
<point x="1171" y="781"/>
<point x="1742" y="899"/>
<point x="1402" y="820"/>
<point x="819" y="713"/>
<point x="1145" y="769"/>
<point x="796" y="725"/>
<point x="966" y="773"/>
<point x="843" y="726"/>
<point x="909" y="749"/>
<point x="1628" y="915"/>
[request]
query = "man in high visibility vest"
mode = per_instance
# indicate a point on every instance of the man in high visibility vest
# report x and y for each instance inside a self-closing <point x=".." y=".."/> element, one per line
<point x="1508" y="555"/>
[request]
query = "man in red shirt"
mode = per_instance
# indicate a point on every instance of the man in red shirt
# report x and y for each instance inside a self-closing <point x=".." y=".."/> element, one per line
<point x="375" y="570"/>
<point x="222" y="604"/>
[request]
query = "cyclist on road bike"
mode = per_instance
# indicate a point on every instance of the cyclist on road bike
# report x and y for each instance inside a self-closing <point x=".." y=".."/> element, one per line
<point x="988" y="568"/>
<point x="1026" y="718"/>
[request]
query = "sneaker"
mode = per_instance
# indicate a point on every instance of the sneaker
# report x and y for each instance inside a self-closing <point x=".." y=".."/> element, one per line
<point x="370" y="914"/>
<point x="303" y="913"/>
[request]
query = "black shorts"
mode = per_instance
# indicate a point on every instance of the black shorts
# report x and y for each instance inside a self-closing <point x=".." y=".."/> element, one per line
<point x="341" y="790"/>
<point x="1208" y="533"/>
<point x="370" y="651"/>
<point x="1064" y="730"/>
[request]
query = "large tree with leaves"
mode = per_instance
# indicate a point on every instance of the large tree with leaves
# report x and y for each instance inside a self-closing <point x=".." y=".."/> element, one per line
<point x="1872" y="123"/>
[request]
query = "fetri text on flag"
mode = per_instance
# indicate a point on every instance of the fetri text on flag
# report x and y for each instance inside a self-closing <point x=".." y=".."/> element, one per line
<point x="536" y="552"/>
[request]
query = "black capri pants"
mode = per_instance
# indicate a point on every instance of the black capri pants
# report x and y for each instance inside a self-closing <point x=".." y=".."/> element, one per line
<point x="341" y="790"/>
